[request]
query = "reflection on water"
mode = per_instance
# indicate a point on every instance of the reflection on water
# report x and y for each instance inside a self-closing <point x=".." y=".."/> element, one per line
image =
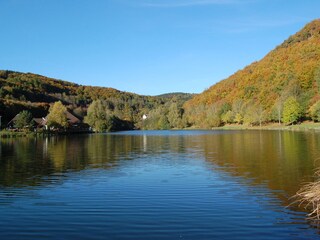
<point x="282" y="160"/>
<point x="156" y="184"/>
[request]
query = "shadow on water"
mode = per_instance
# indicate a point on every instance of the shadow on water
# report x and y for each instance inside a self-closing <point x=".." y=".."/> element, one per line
<point x="25" y="162"/>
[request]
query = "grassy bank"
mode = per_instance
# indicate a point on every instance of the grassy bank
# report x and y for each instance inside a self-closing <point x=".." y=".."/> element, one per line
<point x="12" y="134"/>
<point x="304" y="126"/>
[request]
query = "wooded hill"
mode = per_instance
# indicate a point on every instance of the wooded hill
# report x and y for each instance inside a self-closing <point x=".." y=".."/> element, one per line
<point x="28" y="91"/>
<point x="258" y="93"/>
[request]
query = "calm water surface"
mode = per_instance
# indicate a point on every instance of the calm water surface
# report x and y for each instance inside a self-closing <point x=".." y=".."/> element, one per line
<point x="157" y="185"/>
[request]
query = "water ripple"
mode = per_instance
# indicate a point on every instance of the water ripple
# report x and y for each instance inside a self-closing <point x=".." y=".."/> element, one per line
<point x="177" y="186"/>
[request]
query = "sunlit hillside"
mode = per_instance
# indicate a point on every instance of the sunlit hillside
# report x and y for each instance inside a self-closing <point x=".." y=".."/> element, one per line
<point x="292" y="69"/>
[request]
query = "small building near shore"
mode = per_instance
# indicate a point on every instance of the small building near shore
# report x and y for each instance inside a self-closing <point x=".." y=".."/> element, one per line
<point x="73" y="121"/>
<point x="11" y="123"/>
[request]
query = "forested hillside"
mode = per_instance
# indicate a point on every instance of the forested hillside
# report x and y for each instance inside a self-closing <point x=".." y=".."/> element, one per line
<point x="287" y="77"/>
<point x="35" y="93"/>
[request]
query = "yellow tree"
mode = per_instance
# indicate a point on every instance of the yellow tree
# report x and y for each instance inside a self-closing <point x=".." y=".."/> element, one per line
<point x="57" y="116"/>
<point x="291" y="111"/>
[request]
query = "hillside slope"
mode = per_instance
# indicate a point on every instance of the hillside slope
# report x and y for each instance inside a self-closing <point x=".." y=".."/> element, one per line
<point x="28" y="91"/>
<point x="291" y="69"/>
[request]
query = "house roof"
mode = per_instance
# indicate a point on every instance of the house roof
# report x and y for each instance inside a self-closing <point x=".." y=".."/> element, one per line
<point x="40" y="121"/>
<point x="43" y="121"/>
<point x="13" y="120"/>
<point x="72" y="119"/>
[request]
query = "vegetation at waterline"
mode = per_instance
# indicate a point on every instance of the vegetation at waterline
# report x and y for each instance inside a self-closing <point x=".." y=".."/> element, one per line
<point x="13" y="134"/>
<point x="309" y="197"/>
<point x="283" y="87"/>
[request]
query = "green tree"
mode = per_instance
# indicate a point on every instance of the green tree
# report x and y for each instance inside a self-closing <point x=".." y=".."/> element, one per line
<point x="163" y="123"/>
<point x="228" y="117"/>
<point x="315" y="111"/>
<point x="251" y="116"/>
<point x="98" y="117"/>
<point x="175" y="114"/>
<point x="291" y="111"/>
<point x="317" y="77"/>
<point x="238" y="118"/>
<point x="212" y="116"/>
<point x="238" y="110"/>
<point x="57" y="116"/>
<point x="254" y="115"/>
<point x="24" y="120"/>
<point x="225" y="107"/>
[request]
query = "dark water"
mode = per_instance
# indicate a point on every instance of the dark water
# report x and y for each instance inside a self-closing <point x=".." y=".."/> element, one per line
<point x="157" y="185"/>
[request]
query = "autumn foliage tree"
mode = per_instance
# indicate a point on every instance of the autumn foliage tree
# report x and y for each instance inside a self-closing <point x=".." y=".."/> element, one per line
<point x="315" y="111"/>
<point x="57" y="116"/>
<point x="291" y="111"/>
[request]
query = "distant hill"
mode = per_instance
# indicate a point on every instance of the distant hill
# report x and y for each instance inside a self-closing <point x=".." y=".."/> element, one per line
<point x="181" y="95"/>
<point x="291" y="69"/>
<point x="28" y="91"/>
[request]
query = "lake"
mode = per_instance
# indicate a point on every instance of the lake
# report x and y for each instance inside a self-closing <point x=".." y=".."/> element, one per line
<point x="157" y="185"/>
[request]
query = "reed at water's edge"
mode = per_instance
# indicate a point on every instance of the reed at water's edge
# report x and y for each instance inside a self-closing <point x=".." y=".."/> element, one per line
<point x="309" y="197"/>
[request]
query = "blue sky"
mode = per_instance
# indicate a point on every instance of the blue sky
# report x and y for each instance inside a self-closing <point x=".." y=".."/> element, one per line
<point x="148" y="47"/>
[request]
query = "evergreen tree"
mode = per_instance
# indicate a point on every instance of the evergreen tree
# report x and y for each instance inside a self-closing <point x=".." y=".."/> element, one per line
<point x="24" y="120"/>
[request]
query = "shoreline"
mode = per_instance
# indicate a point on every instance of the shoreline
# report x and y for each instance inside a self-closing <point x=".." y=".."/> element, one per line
<point x="303" y="126"/>
<point x="14" y="134"/>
